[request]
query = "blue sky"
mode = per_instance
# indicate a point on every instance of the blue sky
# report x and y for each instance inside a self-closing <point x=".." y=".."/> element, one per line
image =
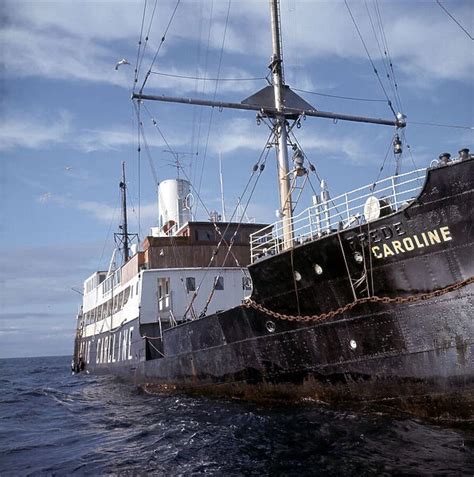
<point x="68" y="122"/>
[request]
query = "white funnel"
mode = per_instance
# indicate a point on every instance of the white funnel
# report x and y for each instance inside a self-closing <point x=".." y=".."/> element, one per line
<point x="174" y="204"/>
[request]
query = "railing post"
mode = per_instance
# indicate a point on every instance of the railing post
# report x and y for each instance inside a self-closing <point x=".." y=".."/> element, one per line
<point x="347" y="207"/>
<point x="394" y="193"/>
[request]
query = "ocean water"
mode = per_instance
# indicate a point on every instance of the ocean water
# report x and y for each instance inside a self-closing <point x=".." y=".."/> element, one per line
<point x="53" y="423"/>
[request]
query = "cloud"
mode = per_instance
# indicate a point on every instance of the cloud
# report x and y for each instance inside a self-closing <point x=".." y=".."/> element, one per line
<point x="98" y="210"/>
<point x="34" y="131"/>
<point x="54" y="55"/>
<point x="42" y="131"/>
<point x="83" y="40"/>
<point x="242" y="134"/>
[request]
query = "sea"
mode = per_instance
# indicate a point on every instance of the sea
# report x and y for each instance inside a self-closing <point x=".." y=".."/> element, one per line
<point x="56" y="423"/>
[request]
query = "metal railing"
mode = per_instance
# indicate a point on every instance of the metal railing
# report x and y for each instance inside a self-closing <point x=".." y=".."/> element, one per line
<point x="342" y="212"/>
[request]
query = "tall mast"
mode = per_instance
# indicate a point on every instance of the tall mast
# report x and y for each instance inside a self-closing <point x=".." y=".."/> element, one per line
<point x="123" y="191"/>
<point x="280" y="127"/>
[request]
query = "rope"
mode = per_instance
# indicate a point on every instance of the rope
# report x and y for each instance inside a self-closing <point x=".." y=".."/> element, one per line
<point x="249" y="303"/>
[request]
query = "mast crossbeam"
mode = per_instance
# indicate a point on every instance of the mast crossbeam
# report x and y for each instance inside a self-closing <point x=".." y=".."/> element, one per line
<point x="271" y="112"/>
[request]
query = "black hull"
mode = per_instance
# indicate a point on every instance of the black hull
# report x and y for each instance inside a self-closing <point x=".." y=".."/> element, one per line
<point x="418" y="356"/>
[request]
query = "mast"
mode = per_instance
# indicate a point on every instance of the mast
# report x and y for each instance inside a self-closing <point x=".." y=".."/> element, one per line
<point x="124" y="227"/>
<point x="280" y="127"/>
<point x="279" y="103"/>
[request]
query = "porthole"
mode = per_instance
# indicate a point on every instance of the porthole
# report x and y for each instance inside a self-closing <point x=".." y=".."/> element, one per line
<point x="270" y="325"/>
<point x="297" y="276"/>
<point x="353" y="344"/>
<point x="358" y="257"/>
<point x="318" y="269"/>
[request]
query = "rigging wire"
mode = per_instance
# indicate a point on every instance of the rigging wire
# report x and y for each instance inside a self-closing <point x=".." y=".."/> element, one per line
<point x="370" y="58"/>
<point x="139" y="46"/>
<point x="387" y="54"/>
<point x="214" y="97"/>
<point x="146" y="43"/>
<point x="383" y="164"/>
<point x="386" y="61"/>
<point x="163" y="38"/>
<point x="229" y="248"/>
<point x="201" y="78"/>
<point x="112" y="220"/>
<point x="409" y="149"/>
<point x="136" y="106"/>
<point x="470" y="128"/>
<point x="184" y="173"/>
<point x="340" y="97"/>
<point x="454" y="19"/>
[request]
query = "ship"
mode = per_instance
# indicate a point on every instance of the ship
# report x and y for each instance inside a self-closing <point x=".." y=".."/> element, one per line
<point x="367" y="297"/>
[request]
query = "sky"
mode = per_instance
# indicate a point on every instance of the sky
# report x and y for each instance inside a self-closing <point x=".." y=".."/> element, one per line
<point x="67" y="122"/>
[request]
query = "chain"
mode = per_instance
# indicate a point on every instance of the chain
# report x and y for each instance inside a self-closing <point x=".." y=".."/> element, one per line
<point x="372" y="299"/>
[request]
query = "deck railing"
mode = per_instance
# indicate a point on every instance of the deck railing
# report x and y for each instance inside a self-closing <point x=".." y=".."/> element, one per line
<point x="341" y="212"/>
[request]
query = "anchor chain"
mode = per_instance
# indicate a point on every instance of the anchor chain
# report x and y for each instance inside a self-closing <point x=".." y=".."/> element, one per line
<point x="249" y="303"/>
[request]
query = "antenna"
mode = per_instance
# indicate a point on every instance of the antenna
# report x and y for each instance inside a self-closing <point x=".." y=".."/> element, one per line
<point x="222" y="188"/>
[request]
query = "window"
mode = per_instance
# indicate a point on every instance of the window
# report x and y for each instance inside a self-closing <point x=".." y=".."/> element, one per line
<point x="203" y="235"/>
<point x="219" y="283"/>
<point x="190" y="284"/>
<point x="126" y="294"/>
<point x="246" y="283"/>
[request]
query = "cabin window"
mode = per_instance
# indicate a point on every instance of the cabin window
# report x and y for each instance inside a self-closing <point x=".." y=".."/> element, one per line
<point x="219" y="282"/>
<point x="246" y="283"/>
<point x="164" y="299"/>
<point x="190" y="284"/>
<point x="126" y="294"/>
<point x="136" y="289"/>
<point x="203" y="235"/>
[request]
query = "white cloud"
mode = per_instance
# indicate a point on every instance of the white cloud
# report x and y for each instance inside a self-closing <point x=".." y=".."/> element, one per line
<point x="83" y="40"/>
<point x="242" y="134"/>
<point x="52" y="55"/>
<point x="42" y="130"/>
<point x="239" y="133"/>
<point x="99" y="210"/>
<point x="34" y="131"/>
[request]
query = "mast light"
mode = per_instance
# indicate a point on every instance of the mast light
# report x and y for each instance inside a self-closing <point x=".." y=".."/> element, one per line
<point x="397" y="145"/>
